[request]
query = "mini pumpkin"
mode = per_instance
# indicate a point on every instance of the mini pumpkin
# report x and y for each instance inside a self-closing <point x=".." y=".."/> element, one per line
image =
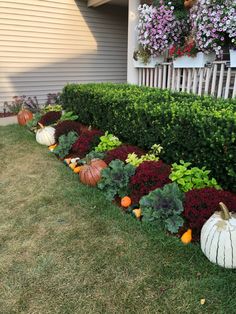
<point x="24" y="116"/>
<point x="187" y="237"/>
<point x="126" y="201"/>
<point x="218" y="238"/>
<point x="90" y="173"/>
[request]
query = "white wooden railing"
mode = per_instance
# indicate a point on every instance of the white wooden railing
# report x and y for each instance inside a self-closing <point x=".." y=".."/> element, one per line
<point x="217" y="79"/>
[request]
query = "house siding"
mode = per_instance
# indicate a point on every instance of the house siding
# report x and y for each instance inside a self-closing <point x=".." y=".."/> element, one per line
<point x="48" y="43"/>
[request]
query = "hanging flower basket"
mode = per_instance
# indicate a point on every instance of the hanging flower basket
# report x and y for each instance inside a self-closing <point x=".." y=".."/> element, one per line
<point x="198" y="61"/>
<point x="152" y="63"/>
<point x="232" y="54"/>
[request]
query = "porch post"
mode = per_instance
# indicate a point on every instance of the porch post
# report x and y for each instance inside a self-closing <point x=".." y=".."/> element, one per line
<point x="132" y="73"/>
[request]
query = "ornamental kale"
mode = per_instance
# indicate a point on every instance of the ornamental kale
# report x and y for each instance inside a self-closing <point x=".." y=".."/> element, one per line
<point x="164" y="205"/>
<point x="32" y="124"/>
<point x="65" y="143"/>
<point x="193" y="178"/>
<point x="115" y="179"/>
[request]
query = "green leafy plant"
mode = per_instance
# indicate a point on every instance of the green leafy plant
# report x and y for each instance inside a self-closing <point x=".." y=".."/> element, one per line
<point x="107" y="142"/>
<point x="115" y="179"/>
<point x="32" y="124"/>
<point x="164" y="205"/>
<point x="191" y="178"/>
<point x="65" y="143"/>
<point x="68" y="116"/>
<point x="55" y="107"/>
<point x="152" y="155"/>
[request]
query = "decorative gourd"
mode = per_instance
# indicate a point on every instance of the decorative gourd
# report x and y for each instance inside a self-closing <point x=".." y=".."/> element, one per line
<point x="137" y="212"/>
<point x="218" y="238"/>
<point x="77" y="169"/>
<point x="24" y="116"/>
<point x="90" y="173"/>
<point x="187" y="237"/>
<point x="45" y="135"/>
<point x="126" y="201"/>
<point x="188" y="4"/>
<point x="67" y="161"/>
<point x="52" y="147"/>
<point x="72" y="165"/>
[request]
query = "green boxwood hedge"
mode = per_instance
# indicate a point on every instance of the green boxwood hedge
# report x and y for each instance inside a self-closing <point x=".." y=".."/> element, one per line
<point x="201" y="130"/>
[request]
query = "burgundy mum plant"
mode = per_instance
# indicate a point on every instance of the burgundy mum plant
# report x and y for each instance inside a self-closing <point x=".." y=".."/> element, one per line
<point x="65" y="127"/>
<point x="122" y="153"/>
<point x="86" y="142"/>
<point x="50" y="117"/>
<point x="200" y="204"/>
<point x="149" y="176"/>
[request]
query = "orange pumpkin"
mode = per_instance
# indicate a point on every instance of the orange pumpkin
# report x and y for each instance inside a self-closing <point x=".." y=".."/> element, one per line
<point x="24" y="116"/>
<point x="126" y="201"/>
<point x="90" y="173"/>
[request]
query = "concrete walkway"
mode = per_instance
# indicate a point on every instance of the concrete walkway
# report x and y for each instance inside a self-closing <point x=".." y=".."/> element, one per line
<point x="8" y="120"/>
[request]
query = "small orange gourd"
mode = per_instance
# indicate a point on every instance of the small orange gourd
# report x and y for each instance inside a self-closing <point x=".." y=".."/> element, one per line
<point x="126" y="201"/>
<point x="137" y="212"/>
<point x="77" y="169"/>
<point x="51" y="147"/>
<point x="187" y="237"/>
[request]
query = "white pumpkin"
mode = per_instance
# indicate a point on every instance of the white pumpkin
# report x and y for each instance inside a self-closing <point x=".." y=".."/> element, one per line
<point x="218" y="238"/>
<point x="45" y="135"/>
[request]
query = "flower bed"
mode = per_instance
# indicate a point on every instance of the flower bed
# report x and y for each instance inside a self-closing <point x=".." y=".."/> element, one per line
<point x="177" y="197"/>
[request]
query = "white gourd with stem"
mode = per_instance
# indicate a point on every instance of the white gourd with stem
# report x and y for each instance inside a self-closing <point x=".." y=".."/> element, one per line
<point x="218" y="238"/>
<point x="45" y="135"/>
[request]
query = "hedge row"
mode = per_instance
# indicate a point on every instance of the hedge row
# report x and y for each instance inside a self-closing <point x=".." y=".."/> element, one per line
<point x="201" y="130"/>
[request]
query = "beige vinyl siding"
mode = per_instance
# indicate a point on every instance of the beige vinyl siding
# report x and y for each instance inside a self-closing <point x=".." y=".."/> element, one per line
<point x="45" y="44"/>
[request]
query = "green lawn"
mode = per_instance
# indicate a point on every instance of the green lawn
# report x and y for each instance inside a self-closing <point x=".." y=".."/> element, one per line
<point x="65" y="249"/>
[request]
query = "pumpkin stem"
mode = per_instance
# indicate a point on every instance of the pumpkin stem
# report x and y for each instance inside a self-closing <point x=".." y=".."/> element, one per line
<point x="224" y="211"/>
<point x="40" y="124"/>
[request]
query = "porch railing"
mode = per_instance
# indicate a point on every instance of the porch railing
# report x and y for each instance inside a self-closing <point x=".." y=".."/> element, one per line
<point x="216" y="79"/>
